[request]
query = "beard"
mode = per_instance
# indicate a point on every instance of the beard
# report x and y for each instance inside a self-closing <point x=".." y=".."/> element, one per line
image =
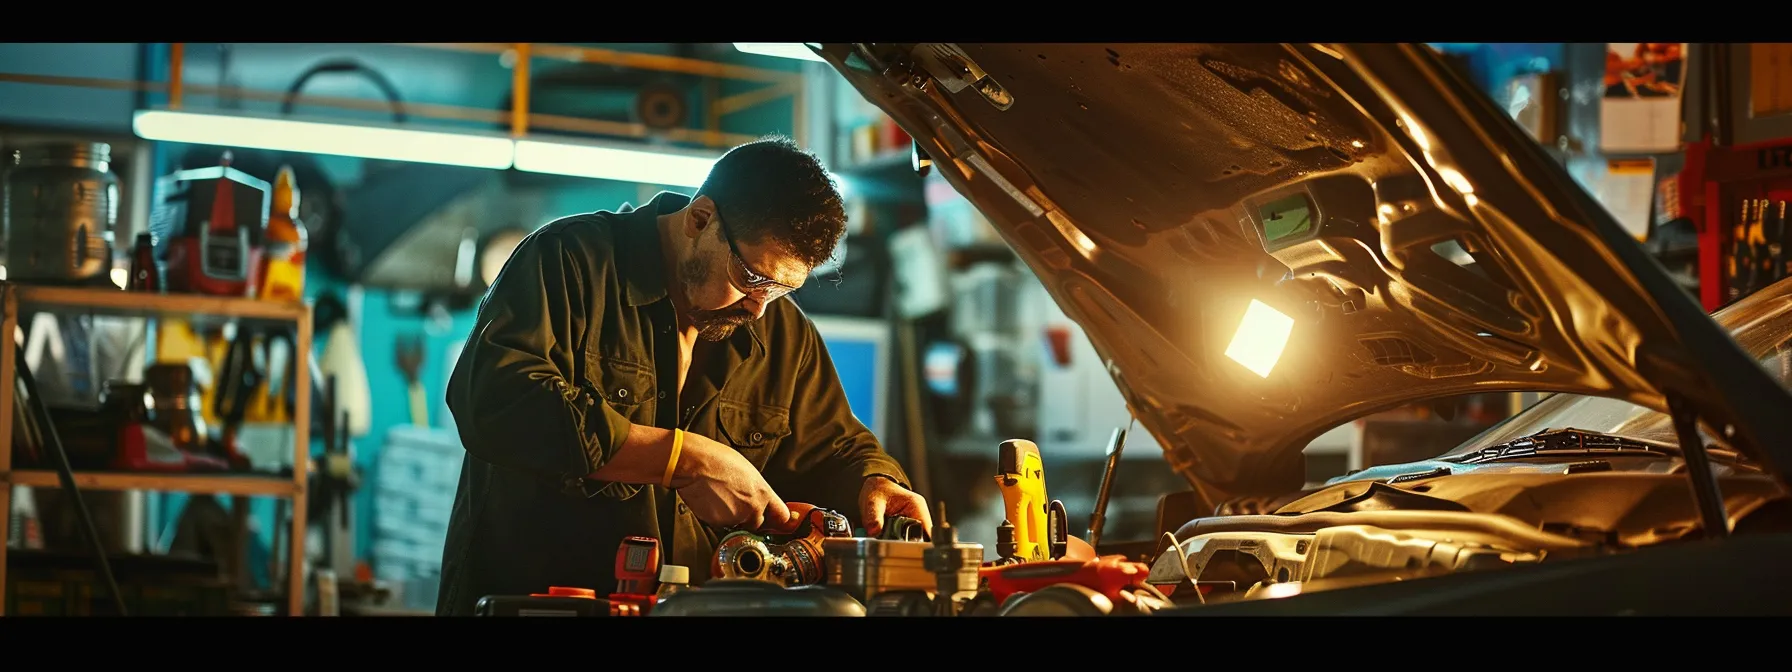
<point x="712" y="325"/>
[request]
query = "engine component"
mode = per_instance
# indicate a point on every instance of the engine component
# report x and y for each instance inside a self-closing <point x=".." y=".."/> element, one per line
<point x="1007" y="550"/>
<point x="900" y="603"/>
<point x="902" y="528"/>
<point x="790" y="555"/>
<point x="1069" y="599"/>
<point x="60" y="204"/>
<point x="984" y="604"/>
<point x="1063" y="599"/>
<point x="1108" y="576"/>
<point x="865" y="568"/>
<point x="741" y="597"/>
<point x="558" y="601"/>
<point x="954" y="567"/>
<point x="1250" y="560"/>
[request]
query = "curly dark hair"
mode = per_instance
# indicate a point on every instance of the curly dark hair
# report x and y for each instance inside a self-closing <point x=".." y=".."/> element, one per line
<point x="770" y="190"/>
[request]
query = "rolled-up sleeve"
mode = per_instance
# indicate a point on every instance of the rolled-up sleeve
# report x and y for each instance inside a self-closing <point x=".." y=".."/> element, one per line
<point x="513" y="393"/>
<point x="835" y="452"/>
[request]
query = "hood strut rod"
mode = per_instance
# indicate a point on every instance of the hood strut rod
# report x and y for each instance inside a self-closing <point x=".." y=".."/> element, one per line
<point x="1698" y="467"/>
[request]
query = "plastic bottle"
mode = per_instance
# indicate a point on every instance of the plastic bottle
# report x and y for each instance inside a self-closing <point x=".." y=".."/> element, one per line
<point x="328" y="603"/>
<point x="283" y="263"/>
<point x="673" y="578"/>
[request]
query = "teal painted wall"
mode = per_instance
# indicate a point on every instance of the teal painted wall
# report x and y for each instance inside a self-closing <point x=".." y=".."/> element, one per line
<point x="422" y="76"/>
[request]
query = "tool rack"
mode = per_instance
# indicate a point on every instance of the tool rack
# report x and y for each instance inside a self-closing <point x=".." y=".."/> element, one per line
<point x="15" y="297"/>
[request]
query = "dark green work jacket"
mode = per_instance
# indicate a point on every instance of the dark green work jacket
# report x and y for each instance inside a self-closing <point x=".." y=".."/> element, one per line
<point x="575" y="343"/>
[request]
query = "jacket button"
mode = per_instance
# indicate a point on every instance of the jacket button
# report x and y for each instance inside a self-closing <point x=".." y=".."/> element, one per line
<point x="757" y="437"/>
<point x="621" y="393"/>
<point x="662" y="394"/>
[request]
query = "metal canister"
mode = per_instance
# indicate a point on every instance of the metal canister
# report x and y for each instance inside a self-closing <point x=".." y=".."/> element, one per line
<point x="60" y="206"/>
<point x="865" y="567"/>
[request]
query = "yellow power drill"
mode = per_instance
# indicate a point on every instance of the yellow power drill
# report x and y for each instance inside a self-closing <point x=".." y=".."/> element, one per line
<point x="1020" y="473"/>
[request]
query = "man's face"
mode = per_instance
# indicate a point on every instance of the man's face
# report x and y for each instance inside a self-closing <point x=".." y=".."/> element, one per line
<point x="729" y="282"/>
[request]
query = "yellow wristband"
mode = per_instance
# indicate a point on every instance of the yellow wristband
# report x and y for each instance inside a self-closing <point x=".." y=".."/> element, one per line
<point x="672" y="461"/>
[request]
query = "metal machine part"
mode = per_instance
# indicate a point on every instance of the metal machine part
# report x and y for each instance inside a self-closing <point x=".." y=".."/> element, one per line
<point x="1069" y="599"/>
<point x="903" y="528"/>
<point x="789" y="556"/>
<point x="1099" y="518"/>
<point x="741" y="597"/>
<point x="984" y="604"/>
<point x="744" y="555"/>
<point x="1256" y="562"/>
<point x="955" y="567"/>
<point x="900" y="603"/>
<point x="1064" y="599"/>
<point x="60" y="206"/>
<point x="865" y="568"/>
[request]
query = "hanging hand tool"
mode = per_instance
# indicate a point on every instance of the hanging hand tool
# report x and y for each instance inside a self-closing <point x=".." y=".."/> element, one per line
<point x="409" y="351"/>
<point x="271" y="402"/>
<point x="238" y="378"/>
<point x="1782" y="242"/>
<point x="1021" y="477"/>
<point x="1738" y="265"/>
<point x="1757" y="247"/>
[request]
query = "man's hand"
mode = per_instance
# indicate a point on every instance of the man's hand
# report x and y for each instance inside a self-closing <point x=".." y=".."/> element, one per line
<point x="880" y="495"/>
<point x="722" y="488"/>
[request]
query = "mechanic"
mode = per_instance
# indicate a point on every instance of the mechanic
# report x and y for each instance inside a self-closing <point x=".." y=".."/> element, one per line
<point x="635" y="373"/>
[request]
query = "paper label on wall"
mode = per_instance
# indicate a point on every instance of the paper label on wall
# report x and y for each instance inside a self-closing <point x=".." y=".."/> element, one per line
<point x="1640" y="110"/>
<point x="1628" y="192"/>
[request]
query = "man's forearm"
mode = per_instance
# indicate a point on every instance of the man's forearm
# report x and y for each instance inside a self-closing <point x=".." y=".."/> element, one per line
<point x="643" y="457"/>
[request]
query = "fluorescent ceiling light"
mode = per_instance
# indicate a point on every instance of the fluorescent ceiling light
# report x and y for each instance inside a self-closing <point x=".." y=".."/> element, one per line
<point x="666" y="167"/>
<point x="367" y="142"/>
<point x="1260" y="338"/>
<point x="795" y="50"/>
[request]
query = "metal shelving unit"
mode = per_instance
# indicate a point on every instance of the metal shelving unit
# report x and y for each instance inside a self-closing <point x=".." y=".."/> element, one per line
<point x="15" y="297"/>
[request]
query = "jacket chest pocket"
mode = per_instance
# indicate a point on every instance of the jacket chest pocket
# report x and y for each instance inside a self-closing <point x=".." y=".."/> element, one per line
<point x="753" y="429"/>
<point x="626" y="386"/>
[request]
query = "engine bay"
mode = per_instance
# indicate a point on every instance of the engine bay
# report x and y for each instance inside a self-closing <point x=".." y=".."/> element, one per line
<point x="1380" y="526"/>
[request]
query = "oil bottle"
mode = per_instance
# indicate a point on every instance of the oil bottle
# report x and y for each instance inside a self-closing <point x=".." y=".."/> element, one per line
<point x="283" y="264"/>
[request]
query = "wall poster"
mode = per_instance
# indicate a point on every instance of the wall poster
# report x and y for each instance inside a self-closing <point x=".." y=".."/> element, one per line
<point x="1640" y="111"/>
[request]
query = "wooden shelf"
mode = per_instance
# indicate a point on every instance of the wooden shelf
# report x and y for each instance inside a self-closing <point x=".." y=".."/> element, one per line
<point x="138" y="304"/>
<point x="17" y="298"/>
<point x="222" y="483"/>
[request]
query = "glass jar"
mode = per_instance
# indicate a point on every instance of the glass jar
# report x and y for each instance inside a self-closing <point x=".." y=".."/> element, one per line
<point x="59" y="207"/>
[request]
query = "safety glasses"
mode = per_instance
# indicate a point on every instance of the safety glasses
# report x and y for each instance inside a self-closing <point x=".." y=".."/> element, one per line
<point x="744" y="278"/>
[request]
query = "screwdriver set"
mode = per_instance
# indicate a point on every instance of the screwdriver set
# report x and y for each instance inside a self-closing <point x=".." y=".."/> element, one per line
<point x="1759" y="244"/>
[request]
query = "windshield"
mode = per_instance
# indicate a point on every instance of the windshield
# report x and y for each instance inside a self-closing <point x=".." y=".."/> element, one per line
<point x="1761" y="323"/>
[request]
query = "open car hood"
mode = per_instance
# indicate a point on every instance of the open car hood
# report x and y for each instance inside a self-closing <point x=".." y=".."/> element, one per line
<point x="1186" y="203"/>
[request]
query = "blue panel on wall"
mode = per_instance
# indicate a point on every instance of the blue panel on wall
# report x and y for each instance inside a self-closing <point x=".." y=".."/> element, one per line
<point x="856" y="361"/>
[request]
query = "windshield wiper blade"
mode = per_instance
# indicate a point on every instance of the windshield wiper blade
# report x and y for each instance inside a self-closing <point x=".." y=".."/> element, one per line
<point x="1564" y="442"/>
